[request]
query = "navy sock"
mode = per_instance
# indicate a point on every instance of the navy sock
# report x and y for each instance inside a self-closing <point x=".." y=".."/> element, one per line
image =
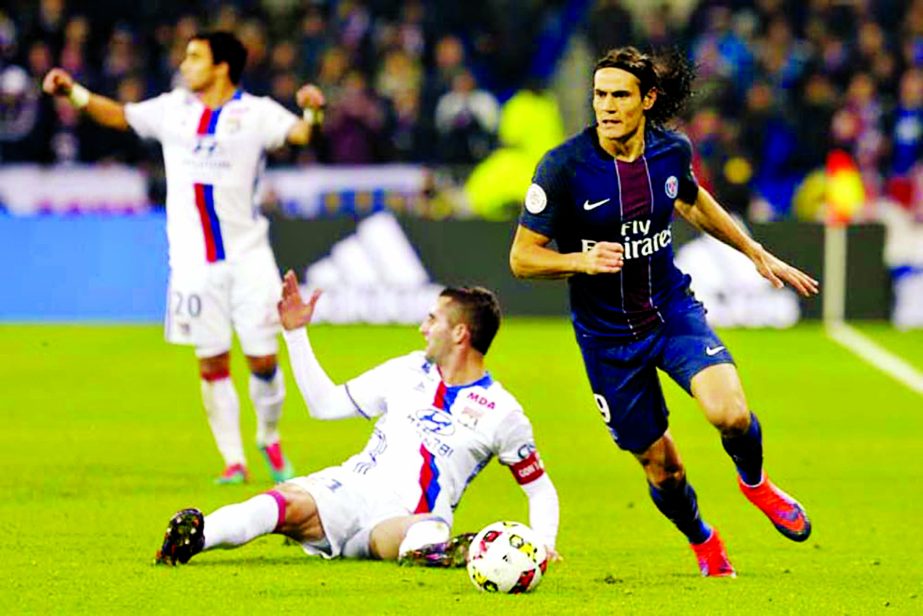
<point x="747" y="452"/>
<point x="267" y="376"/>
<point x="678" y="503"/>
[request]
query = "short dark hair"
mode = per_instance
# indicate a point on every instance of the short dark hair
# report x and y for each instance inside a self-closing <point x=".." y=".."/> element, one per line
<point x="479" y="309"/>
<point x="226" y="48"/>
<point x="667" y="71"/>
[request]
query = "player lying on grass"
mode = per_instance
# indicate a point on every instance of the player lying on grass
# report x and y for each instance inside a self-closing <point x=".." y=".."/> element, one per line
<point x="442" y="417"/>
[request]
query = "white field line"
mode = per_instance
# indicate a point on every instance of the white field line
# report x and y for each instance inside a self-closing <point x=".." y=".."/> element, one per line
<point x="880" y="358"/>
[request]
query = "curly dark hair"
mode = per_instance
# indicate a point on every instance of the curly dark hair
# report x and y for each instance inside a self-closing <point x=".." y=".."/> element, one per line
<point x="667" y="71"/>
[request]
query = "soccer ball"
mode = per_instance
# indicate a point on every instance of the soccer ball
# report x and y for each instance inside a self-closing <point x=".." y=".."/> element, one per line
<point x="506" y="557"/>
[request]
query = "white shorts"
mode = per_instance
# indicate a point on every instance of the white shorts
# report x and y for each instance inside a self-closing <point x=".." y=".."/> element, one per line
<point x="349" y="507"/>
<point x="207" y="304"/>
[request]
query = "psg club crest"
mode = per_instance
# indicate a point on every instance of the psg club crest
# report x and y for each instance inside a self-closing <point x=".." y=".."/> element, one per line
<point x="671" y="186"/>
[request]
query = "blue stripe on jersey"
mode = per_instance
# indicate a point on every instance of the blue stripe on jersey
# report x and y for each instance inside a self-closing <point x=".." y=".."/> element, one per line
<point x="451" y="392"/>
<point x="208" y="192"/>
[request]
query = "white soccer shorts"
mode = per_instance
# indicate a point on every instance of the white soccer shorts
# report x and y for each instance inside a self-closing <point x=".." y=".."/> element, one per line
<point x="349" y="506"/>
<point x="207" y="304"/>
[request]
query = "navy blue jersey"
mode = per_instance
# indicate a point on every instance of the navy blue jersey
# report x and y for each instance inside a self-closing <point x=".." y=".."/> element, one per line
<point x="582" y="195"/>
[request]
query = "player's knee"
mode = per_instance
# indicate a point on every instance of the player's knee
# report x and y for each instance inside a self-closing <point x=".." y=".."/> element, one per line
<point x="668" y="478"/>
<point x="263" y="367"/>
<point x="728" y="413"/>
<point x="665" y="474"/>
<point x="300" y="510"/>
<point x="733" y="418"/>
<point x="216" y="367"/>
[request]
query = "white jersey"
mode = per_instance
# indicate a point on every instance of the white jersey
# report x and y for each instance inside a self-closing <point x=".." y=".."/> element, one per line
<point x="214" y="159"/>
<point x="431" y="440"/>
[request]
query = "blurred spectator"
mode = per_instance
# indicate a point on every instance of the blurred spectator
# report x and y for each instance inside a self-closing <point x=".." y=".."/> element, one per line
<point x="771" y="144"/>
<point x="252" y="34"/>
<point x="857" y="125"/>
<point x="314" y="39"/>
<point x="610" y="25"/>
<point x="908" y="126"/>
<point x="24" y="118"/>
<point x="813" y="115"/>
<point x="466" y="121"/>
<point x="354" y="130"/>
<point x="530" y="124"/>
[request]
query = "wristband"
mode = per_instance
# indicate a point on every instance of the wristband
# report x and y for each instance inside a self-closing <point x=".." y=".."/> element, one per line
<point x="313" y="116"/>
<point x="79" y="96"/>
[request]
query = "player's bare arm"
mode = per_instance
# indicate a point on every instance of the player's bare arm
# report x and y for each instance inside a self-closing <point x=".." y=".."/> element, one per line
<point x="101" y="109"/>
<point x="707" y="215"/>
<point x="311" y="100"/>
<point x="530" y="257"/>
<point x="294" y="312"/>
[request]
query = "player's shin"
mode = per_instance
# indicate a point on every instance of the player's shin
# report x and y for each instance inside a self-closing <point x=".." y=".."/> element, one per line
<point x="678" y="502"/>
<point x="234" y="525"/>
<point x="267" y="391"/>
<point x="746" y="450"/>
<point x="223" y="409"/>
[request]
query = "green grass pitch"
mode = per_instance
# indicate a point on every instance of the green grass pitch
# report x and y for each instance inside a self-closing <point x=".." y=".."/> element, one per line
<point x="102" y="438"/>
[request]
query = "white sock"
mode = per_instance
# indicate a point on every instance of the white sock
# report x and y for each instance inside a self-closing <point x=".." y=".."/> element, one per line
<point x="267" y="397"/>
<point x="424" y="532"/>
<point x="223" y="409"/>
<point x="235" y="525"/>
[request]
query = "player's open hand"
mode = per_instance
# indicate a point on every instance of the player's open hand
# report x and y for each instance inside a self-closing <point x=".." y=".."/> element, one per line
<point x="603" y="258"/>
<point x="310" y="97"/>
<point x="553" y="555"/>
<point x="58" y="82"/>
<point x="778" y="272"/>
<point x="294" y="312"/>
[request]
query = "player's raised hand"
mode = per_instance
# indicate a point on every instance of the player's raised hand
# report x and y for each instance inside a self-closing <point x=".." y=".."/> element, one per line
<point x="778" y="272"/>
<point x="294" y="312"/>
<point x="604" y="258"/>
<point x="310" y="97"/>
<point x="58" y="82"/>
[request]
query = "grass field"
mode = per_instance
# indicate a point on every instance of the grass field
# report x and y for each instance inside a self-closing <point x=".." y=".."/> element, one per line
<point x="103" y="438"/>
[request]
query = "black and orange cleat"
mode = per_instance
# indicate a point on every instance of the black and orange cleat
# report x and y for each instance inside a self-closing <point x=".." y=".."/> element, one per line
<point x="785" y="513"/>
<point x="185" y="537"/>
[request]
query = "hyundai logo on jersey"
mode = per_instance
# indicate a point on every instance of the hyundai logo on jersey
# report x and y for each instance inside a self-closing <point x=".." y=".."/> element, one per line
<point x="435" y="421"/>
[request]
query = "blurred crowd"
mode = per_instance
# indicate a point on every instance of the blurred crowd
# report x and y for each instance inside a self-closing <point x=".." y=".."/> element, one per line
<point x="782" y="82"/>
<point x="402" y="77"/>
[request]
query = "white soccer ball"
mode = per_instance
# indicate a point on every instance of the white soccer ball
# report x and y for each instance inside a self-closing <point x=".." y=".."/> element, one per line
<point x="506" y="557"/>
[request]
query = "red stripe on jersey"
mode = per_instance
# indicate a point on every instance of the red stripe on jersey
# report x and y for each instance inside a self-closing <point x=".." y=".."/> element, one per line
<point x="204" y="121"/>
<point x="211" y="251"/>
<point x="429" y="486"/>
<point x="439" y="398"/>
<point x="528" y="470"/>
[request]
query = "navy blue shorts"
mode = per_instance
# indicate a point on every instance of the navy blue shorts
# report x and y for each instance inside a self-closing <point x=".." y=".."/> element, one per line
<point x="624" y="376"/>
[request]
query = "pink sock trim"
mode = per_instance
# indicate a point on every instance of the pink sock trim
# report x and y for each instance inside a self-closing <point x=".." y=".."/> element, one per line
<point x="280" y="501"/>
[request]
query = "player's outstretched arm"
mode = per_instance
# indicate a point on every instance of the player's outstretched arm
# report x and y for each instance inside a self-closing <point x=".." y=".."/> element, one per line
<point x="311" y="100"/>
<point x="324" y="398"/>
<point x="707" y="215"/>
<point x="102" y="110"/>
<point x="530" y="257"/>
